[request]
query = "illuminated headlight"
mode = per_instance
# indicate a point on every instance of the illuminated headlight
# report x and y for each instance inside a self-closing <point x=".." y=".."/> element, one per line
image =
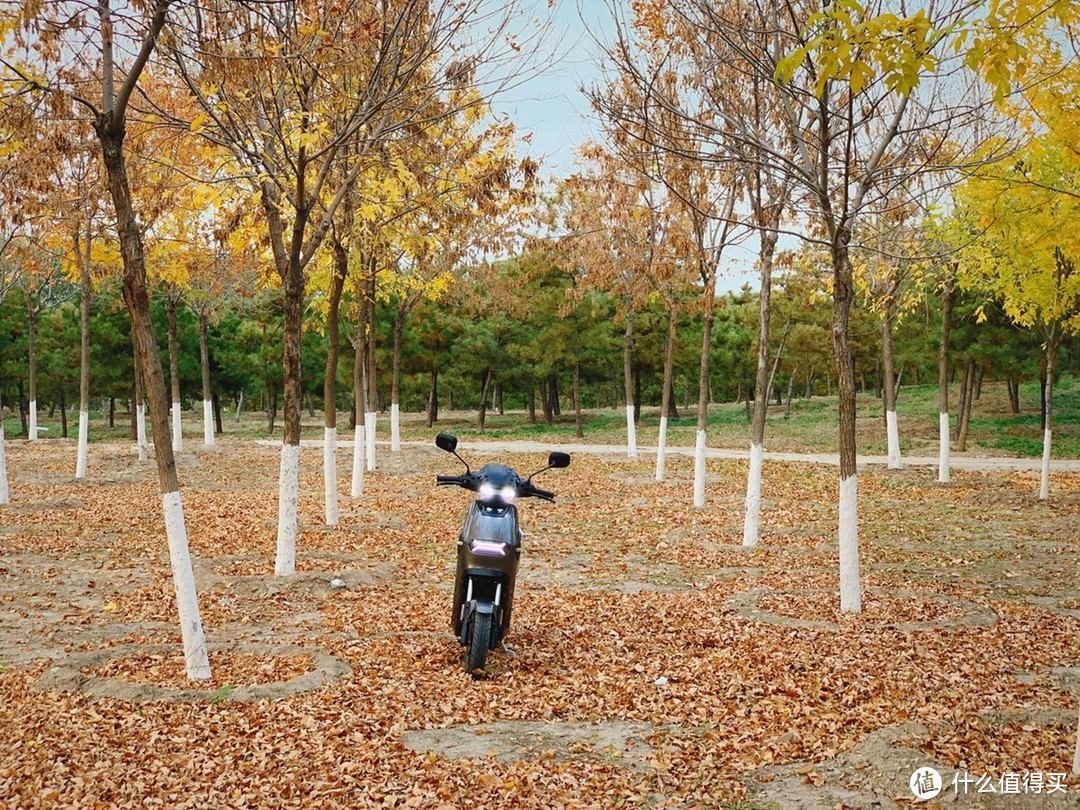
<point x="486" y="492"/>
<point x="488" y="548"/>
<point x="508" y="493"/>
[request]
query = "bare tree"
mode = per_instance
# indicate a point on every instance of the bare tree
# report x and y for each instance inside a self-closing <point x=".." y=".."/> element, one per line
<point x="852" y="133"/>
<point x="301" y="94"/>
<point x="94" y="82"/>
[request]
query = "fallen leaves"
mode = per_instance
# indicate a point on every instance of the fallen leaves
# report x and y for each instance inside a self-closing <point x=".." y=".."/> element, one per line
<point x="229" y="669"/>
<point x="721" y="694"/>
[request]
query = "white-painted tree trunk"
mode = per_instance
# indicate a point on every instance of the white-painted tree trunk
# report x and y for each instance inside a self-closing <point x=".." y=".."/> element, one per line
<point x="358" y="453"/>
<point x="5" y="492"/>
<point x="369" y="430"/>
<point x="84" y="429"/>
<point x="288" y="505"/>
<point x="196" y="660"/>
<point x="330" y="499"/>
<point x="140" y="432"/>
<point x="752" y="518"/>
<point x="177" y="429"/>
<point x="1044" y="481"/>
<point x="208" y="421"/>
<point x="239" y="405"/>
<point x="661" y="449"/>
<point x="944" y="438"/>
<point x="395" y="428"/>
<point x="631" y="433"/>
<point x="33" y="420"/>
<point x="850" y="585"/>
<point x="699" y="470"/>
<point x="893" y="431"/>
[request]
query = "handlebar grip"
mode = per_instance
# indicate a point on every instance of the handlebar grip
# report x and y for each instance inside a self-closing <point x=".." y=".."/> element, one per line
<point x="448" y="479"/>
<point x="543" y="493"/>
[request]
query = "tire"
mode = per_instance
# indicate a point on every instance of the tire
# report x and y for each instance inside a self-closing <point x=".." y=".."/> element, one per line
<point x="479" y="639"/>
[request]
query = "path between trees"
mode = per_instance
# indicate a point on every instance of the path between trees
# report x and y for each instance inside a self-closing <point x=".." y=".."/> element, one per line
<point x="978" y="463"/>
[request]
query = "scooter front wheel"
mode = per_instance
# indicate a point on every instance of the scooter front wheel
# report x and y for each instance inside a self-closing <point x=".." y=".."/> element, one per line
<point x="479" y="640"/>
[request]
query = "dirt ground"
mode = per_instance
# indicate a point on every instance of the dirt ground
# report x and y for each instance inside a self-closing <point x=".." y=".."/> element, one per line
<point x="653" y="660"/>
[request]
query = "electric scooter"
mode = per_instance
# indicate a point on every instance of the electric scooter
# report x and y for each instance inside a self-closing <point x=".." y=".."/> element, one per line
<point x="488" y="550"/>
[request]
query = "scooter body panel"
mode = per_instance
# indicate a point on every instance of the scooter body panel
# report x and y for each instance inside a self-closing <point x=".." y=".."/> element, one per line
<point x="489" y="548"/>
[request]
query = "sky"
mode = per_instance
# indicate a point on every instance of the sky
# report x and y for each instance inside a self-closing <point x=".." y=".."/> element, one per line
<point x="549" y="107"/>
<point x="548" y="104"/>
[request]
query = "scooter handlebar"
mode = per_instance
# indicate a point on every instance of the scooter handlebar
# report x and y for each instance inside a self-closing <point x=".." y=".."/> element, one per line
<point x="450" y="480"/>
<point x="536" y="492"/>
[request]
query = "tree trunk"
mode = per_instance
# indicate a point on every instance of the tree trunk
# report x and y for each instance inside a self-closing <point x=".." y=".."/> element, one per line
<point x="978" y="382"/>
<point x="372" y="375"/>
<point x="133" y="417"/>
<point x="271" y="410"/>
<point x="850" y="582"/>
<point x="204" y="362"/>
<point x="172" y="295"/>
<point x="63" y="414"/>
<point x="709" y="276"/>
<point x="966" y="398"/>
<point x="556" y="408"/>
<point x="628" y="381"/>
<point x="5" y="489"/>
<point x="501" y="403"/>
<point x="24" y="408"/>
<point x="1042" y="399"/>
<point x="752" y="514"/>
<point x="112" y="412"/>
<point x="667" y="398"/>
<point x="84" y="355"/>
<point x="239" y="406"/>
<point x="532" y="403"/>
<point x="110" y="133"/>
<point x="216" y="399"/>
<point x="888" y="386"/>
<point x="545" y="402"/>
<point x="1014" y="394"/>
<point x="31" y="351"/>
<point x="790" y="394"/>
<point x="580" y="432"/>
<point x="433" y="397"/>
<point x="289" y="471"/>
<point x="395" y="382"/>
<point x="483" y="395"/>
<point x="359" y="458"/>
<point x="948" y="300"/>
<point x="337" y="287"/>
<point x="637" y="394"/>
<point x="1048" y="414"/>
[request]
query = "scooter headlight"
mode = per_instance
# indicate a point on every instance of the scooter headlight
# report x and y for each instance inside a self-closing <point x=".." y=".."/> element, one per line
<point x="488" y="548"/>
<point x="488" y="492"/>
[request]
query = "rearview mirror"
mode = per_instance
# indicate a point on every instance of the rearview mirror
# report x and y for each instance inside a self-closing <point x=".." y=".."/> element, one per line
<point x="447" y="442"/>
<point x="557" y="460"/>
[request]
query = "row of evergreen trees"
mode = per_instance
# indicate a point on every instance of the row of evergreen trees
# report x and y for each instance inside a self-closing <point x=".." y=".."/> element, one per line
<point x="530" y="349"/>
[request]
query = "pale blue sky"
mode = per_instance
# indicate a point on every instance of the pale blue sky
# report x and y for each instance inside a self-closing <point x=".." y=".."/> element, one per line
<point x="549" y="106"/>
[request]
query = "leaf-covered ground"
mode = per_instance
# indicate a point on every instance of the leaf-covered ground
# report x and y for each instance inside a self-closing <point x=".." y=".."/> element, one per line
<point x="652" y="661"/>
